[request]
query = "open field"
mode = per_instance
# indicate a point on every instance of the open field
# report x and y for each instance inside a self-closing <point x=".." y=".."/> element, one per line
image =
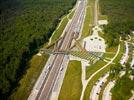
<point x="72" y="85"/>
<point x="92" y="68"/>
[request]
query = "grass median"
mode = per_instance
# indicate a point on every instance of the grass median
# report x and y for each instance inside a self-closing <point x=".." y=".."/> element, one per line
<point x="72" y="85"/>
<point x="87" y="22"/>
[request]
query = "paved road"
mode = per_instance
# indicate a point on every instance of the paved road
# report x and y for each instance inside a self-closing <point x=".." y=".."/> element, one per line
<point x="45" y="92"/>
<point x="125" y="56"/>
<point x="107" y="94"/>
<point x="97" y="88"/>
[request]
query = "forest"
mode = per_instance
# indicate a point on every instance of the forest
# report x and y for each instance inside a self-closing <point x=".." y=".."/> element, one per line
<point x="120" y="17"/>
<point x="25" y="25"/>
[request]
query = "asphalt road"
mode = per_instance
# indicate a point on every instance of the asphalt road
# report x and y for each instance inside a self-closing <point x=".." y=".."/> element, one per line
<point x="46" y="89"/>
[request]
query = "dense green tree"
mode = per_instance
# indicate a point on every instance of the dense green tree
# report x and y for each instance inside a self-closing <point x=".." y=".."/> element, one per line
<point x="24" y="26"/>
<point x="120" y="16"/>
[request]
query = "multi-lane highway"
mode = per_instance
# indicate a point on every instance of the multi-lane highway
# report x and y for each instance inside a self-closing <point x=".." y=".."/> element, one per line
<point x="46" y="88"/>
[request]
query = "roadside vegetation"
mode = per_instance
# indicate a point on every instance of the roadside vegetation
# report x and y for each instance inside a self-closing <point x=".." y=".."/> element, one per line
<point x="88" y="22"/>
<point x="72" y="85"/>
<point x="122" y="89"/>
<point x="59" y="30"/>
<point x="120" y="17"/>
<point x="26" y="84"/>
<point x="57" y="33"/>
<point x="25" y="26"/>
<point x="70" y="15"/>
<point x="124" y="85"/>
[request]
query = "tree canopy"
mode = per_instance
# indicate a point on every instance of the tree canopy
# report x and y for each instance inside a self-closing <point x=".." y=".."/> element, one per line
<point x="24" y="26"/>
<point x="120" y="16"/>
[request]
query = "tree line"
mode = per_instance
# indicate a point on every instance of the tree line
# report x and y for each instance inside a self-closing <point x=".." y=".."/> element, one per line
<point x="120" y="17"/>
<point x="24" y="26"/>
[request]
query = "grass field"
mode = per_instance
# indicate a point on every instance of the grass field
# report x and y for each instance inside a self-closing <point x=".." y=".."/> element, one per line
<point x="87" y="23"/>
<point x="91" y="69"/>
<point x="112" y="49"/>
<point x="109" y="55"/>
<point x="88" y="19"/>
<point x="72" y="85"/>
<point x="26" y="84"/>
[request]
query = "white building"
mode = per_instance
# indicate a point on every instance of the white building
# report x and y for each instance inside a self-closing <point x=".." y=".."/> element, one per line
<point x="102" y="22"/>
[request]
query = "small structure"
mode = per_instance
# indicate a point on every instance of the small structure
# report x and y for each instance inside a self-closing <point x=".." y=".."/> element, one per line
<point x="102" y="22"/>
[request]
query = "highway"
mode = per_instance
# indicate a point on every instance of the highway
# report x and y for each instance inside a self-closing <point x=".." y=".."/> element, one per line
<point x="45" y="91"/>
